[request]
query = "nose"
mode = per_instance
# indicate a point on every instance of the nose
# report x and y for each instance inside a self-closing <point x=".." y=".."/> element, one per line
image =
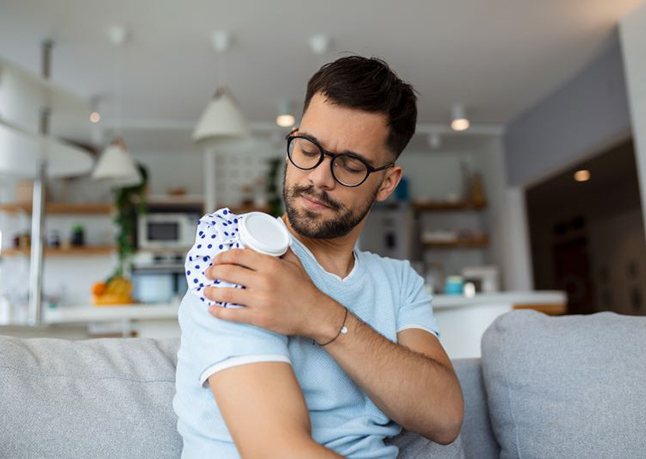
<point x="321" y="176"/>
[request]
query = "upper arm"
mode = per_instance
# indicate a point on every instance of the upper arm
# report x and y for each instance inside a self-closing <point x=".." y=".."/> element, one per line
<point x="263" y="406"/>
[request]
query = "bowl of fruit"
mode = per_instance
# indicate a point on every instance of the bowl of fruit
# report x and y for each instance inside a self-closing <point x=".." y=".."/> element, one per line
<point x="117" y="290"/>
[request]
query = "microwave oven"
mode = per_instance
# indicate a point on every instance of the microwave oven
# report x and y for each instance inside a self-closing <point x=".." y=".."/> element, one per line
<point x="166" y="230"/>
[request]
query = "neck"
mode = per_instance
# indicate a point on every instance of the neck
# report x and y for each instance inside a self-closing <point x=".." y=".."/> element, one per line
<point x="334" y="255"/>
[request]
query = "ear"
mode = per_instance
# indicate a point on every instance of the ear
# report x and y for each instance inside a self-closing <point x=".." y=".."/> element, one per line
<point x="393" y="176"/>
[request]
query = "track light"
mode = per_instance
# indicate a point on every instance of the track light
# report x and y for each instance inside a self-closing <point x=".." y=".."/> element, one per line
<point x="459" y="121"/>
<point x="582" y="175"/>
<point x="286" y="116"/>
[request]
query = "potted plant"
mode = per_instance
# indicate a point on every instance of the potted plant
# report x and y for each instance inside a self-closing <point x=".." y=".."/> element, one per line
<point x="129" y="203"/>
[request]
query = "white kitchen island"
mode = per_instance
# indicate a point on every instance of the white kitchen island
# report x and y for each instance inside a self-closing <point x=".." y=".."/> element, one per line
<point x="463" y="321"/>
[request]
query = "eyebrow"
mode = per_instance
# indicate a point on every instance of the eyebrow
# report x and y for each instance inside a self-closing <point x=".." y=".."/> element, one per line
<point x="345" y="152"/>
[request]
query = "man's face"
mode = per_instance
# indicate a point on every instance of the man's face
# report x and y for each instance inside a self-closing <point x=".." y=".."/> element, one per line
<point x="317" y="205"/>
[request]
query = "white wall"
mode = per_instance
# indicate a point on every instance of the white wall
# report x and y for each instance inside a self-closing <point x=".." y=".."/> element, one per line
<point x="633" y="41"/>
<point x="173" y="169"/>
<point x="583" y="117"/>
<point x="509" y="248"/>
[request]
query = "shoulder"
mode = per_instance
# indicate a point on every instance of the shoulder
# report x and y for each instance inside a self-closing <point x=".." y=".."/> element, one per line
<point x="392" y="267"/>
<point x="373" y="260"/>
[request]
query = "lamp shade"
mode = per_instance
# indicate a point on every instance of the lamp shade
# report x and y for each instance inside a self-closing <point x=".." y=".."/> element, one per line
<point x="222" y="119"/>
<point x="117" y="165"/>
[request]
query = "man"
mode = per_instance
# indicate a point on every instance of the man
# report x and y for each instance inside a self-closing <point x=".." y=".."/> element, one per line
<point x="335" y="348"/>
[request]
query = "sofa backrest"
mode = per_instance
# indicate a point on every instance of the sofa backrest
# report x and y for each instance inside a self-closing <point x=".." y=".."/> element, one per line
<point x="112" y="398"/>
<point x="105" y="398"/>
<point x="564" y="387"/>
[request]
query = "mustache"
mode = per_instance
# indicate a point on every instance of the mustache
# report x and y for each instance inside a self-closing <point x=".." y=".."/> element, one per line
<point x="323" y="197"/>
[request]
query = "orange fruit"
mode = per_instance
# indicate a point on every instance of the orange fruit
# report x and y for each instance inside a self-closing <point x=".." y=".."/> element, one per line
<point x="98" y="288"/>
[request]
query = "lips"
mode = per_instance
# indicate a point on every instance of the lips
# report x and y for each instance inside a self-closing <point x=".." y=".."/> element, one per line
<point x="314" y="201"/>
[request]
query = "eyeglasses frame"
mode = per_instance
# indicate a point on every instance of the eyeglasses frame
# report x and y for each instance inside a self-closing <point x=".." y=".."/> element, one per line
<point x="369" y="168"/>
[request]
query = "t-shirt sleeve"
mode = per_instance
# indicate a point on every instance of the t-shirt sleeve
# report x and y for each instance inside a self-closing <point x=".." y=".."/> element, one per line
<point x="209" y="344"/>
<point x="416" y="309"/>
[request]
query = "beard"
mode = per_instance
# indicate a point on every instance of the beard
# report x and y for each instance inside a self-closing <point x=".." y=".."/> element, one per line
<point x="311" y="224"/>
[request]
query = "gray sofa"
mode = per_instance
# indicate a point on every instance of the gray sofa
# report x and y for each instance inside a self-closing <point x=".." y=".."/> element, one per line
<point x="546" y="387"/>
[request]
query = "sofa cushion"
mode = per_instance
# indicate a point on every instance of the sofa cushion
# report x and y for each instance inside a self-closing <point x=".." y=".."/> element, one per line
<point x="106" y="398"/>
<point x="564" y="387"/>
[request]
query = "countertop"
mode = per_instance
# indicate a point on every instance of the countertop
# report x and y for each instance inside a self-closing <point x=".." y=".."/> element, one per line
<point x="90" y="313"/>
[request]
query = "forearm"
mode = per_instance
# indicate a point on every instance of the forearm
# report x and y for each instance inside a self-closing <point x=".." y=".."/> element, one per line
<point x="288" y="447"/>
<point x="412" y="389"/>
<point x="307" y="448"/>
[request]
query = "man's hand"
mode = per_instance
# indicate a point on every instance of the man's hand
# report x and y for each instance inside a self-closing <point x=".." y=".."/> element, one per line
<point x="278" y="294"/>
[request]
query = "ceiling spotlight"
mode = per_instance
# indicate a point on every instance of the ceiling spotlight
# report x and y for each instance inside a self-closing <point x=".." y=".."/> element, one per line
<point x="582" y="175"/>
<point x="286" y="116"/>
<point x="118" y="35"/>
<point x="221" y="40"/>
<point x="285" y="120"/>
<point x="320" y="44"/>
<point x="95" y="117"/>
<point x="459" y="121"/>
<point x="434" y="140"/>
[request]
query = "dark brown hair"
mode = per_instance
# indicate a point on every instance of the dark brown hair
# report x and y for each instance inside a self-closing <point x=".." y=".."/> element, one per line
<point x="369" y="84"/>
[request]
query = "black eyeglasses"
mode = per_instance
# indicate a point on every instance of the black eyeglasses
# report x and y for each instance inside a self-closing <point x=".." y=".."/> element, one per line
<point x="348" y="169"/>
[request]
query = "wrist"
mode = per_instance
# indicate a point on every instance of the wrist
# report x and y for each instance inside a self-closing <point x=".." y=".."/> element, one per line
<point x="330" y="321"/>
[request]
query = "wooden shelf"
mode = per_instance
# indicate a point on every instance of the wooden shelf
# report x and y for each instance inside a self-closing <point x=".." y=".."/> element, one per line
<point x="443" y="206"/>
<point x="61" y="208"/>
<point x="86" y="251"/>
<point x="470" y="243"/>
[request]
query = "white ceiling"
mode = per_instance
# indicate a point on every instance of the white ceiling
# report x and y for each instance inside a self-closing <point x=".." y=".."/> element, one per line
<point x="498" y="57"/>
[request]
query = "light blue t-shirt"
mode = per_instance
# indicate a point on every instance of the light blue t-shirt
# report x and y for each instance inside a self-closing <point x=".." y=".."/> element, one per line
<point x="385" y="293"/>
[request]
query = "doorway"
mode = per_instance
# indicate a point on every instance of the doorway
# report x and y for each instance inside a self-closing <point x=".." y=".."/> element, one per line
<point x="587" y="234"/>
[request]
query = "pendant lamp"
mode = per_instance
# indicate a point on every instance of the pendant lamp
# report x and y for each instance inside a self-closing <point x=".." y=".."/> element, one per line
<point x="222" y="119"/>
<point x="115" y="163"/>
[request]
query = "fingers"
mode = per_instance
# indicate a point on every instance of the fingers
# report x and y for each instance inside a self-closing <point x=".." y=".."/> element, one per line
<point x="233" y="274"/>
<point x="227" y="295"/>
<point x="241" y="257"/>
<point x="240" y="315"/>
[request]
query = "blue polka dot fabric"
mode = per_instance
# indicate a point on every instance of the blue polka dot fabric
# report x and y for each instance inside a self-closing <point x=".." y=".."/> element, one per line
<point x="216" y="232"/>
